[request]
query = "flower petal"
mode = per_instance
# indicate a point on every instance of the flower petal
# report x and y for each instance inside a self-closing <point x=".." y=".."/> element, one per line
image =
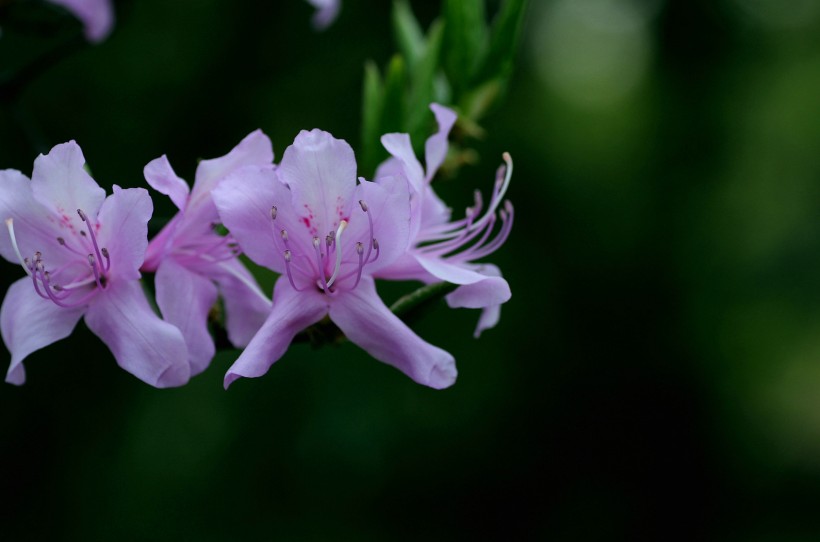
<point x="450" y="272"/>
<point x="147" y="347"/>
<point x="244" y="200"/>
<point x="493" y="290"/>
<point x="487" y="294"/>
<point x="292" y="312"/>
<point x="246" y="307"/>
<point x="34" y="226"/>
<point x="321" y="172"/>
<point x="97" y="16"/>
<point x="162" y="178"/>
<point x="390" y="213"/>
<point x="29" y="323"/>
<point x="123" y="223"/>
<point x="367" y="322"/>
<point x="60" y="182"/>
<point x="400" y="147"/>
<point x="185" y="299"/>
<point x="326" y="12"/>
<point x="254" y="150"/>
<point x="435" y="148"/>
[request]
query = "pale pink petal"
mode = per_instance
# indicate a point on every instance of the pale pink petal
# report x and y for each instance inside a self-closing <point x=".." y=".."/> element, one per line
<point x="390" y="213"/>
<point x="368" y="323"/>
<point x="162" y="178"/>
<point x="246" y="307"/>
<point x="481" y="294"/>
<point x="160" y="244"/>
<point x="449" y="272"/>
<point x="487" y="295"/>
<point x="60" y="183"/>
<point x="406" y="267"/>
<point x="123" y="230"/>
<point x="292" y="312"/>
<point x="185" y="299"/>
<point x="254" y="150"/>
<point x="434" y="212"/>
<point x="144" y="345"/>
<point x="488" y="319"/>
<point x="97" y="16"/>
<point x="400" y="147"/>
<point x="244" y="200"/>
<point x="34" y="226"/>
<point x="435" y="148"/>
<point x="29" y="323"/>
<point x="326" y="12"/>
<point x="321" y="172"/>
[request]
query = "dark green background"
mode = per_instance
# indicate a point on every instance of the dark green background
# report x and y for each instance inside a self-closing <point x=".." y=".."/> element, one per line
<point x="656" y="375"/>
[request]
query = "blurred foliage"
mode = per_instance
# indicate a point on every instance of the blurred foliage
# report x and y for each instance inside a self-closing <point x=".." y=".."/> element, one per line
<point x="462" y="61"/>
<point x="654" y="377"/>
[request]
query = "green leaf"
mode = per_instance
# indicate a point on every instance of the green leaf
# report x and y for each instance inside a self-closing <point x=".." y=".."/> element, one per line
<point x="409" y="37"/>
<point x="477" y="102"/>
<point x="503" y="43"/>
<point x="423" y="85"/>
<point x="372" y="105"/>
<point x="465" y="41"/>
<point x="395" y="83"/>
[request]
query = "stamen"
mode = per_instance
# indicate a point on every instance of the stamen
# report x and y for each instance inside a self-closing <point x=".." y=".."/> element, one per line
<point x="107" y="258"/>
<point x="370" y="223"/>
<point x="342" y="227"/>
<point x="90" y="233"/>
<point x="273" y="212"/>
<point x="376" y="248"/>
<point x="285" y="238"/>
<point x="95" y="268"/>
<point x="360" y="252"/>
<point x="323" y="280"/>
<point x="10" y="227"/>
<point x="290" y="274"/>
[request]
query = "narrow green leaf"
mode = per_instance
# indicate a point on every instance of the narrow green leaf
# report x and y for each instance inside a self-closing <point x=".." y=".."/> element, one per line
<point x="423" y="85"/>
<point x="408" y="33"/>
<point x="372" y="105"/>
<point x="503" y="42"/>
<point x="465" y="40"/>
<point x="395" y="85"/>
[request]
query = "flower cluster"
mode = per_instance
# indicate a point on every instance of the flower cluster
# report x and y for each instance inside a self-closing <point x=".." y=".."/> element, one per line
<point x="327" y="233"/>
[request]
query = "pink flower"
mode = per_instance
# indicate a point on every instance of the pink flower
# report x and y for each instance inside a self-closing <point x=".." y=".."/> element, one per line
<point x="444" y="249"/>
<point x="81" y="252"/>
<point x="97" y="16"/>
<point x="194" y="264"/>
<point x="326" y="12"/>
<point x="326" y="235"/>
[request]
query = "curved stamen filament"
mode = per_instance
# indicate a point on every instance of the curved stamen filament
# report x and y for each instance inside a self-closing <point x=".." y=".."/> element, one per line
<point x="501" y="188"/>
<point x="90" y="233"/>
<point x="478" y="252"/>
<point x="322" y="280"/>
<point x="370" y="223"/>
<point x="360" y="252"/>
<point x="342" y="227"/>
<point x="287" y="254"/>
<point x="95" y="268"/>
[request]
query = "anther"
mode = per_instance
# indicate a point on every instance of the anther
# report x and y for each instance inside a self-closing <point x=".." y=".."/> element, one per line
<point x="363" y="205"/>
<point x="273" y="212"/>
<point x="61" y="241"/>
<point x="360" y="252"/>
<point x="290" y="274"/>
<point x="107" y="258"/>
<point x="83" y="217"/>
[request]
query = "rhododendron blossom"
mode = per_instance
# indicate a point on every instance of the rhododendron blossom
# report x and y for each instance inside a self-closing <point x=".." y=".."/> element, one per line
<point x="327" y="236"/>
<point x="444" y="249"/>
<point x="97" y="16"/>
<point x="81" y="252"/>
<point x="193" y="263"/>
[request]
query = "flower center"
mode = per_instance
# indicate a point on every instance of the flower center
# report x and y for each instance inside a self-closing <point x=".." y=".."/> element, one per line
<point x="87" y="257"/>
<point x="333" y="253"/>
